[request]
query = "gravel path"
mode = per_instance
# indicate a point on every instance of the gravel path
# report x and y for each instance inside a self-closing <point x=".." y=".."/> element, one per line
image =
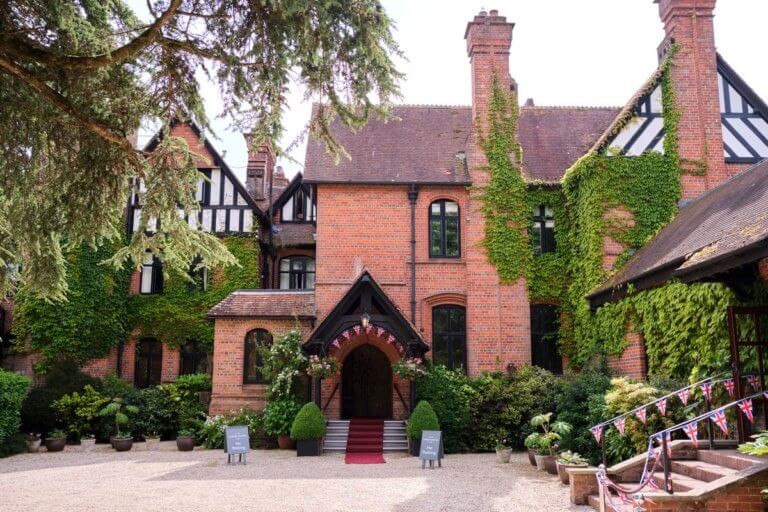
<point x="272" y="481"/>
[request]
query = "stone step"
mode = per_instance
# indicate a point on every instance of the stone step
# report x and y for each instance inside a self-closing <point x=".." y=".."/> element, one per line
<point x="680" y="482"/>
<point x="701" y="470"/>
<point x="729" y="458"/>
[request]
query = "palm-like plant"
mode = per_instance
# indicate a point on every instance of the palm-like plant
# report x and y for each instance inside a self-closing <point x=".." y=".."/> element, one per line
<point x="120" y="411"/>
<point x="546" y="440"/>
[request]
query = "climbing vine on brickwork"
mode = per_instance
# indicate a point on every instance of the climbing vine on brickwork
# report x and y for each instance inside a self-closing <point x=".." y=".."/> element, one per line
<point x="547" y="274"/>
<point x="179" y="314"/>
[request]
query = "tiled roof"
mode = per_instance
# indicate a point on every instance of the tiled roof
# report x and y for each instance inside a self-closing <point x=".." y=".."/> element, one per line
<point x="720" y="223"/>
<point x="266" y="303"/>
<point x="421" y="145"/>
<point x="292" y="234"/>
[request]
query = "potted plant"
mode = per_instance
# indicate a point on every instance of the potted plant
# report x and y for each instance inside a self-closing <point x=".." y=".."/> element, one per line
<point x="548" y="437"/>
<point x="56" y="441"/>
<point x="185" y="440"/>
<point x="569" y="459"/>
<point x="532" y="444"/>
<point x="87" y="442"/>
<point x="503" y="451"/>
<point x="423" y="418"/>
<point x="278" y="419"/>
<point x="33" y="442"/>
<point x="152" y="440"/>
<point x="308" y="430"/>
<point x="121" y="442"/>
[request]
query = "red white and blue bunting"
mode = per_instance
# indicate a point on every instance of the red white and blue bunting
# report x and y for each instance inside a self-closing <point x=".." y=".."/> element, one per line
<point x="692" y="430"/>
<point x="746" y="408"/>
<point x="720" y="420"/>
<point x="377" y="331"/>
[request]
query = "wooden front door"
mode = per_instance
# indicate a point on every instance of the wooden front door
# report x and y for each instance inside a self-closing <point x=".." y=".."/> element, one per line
<point x="366" y="384"/>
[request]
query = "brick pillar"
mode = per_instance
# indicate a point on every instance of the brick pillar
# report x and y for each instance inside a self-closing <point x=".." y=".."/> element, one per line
<point x="261" y="164"/>
<point x="498" y="316"/>
<point x="689" y="23"/>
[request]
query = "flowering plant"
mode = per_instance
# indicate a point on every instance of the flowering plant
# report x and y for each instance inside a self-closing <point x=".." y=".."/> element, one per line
<point x="409" y="368"/>
<point x="323" y="368"/>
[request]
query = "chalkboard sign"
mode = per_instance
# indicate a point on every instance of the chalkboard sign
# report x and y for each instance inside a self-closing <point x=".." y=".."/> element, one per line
<point x="431" y="448"/>
<point x="236" y="442"/>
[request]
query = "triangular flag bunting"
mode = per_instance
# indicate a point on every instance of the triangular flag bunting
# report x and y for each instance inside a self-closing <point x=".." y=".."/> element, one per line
<point x="620" y="424"/>
<point x="746" y="408"/>
<point x="692" y="431"/>
<point x="719" y="418"/>
<point x="662" y="406"/>
<point x="706" y="389"/>
<point x="753" y="381"/>
<point x="729" y="386"/>
<point x="597" y="432"/>
<point x="683" y="395"/>
<point x="640" y="413"/>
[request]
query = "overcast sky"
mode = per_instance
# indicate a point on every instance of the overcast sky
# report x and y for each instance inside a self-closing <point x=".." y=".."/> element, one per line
<point x="564" y="52"/>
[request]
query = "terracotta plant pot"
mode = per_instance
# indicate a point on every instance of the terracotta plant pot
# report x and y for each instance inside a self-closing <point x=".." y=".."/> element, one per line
<point x="122" y="444"/>
<point x="540" y="464"/>
<point x="563" y="473"/>
<point x="153" y="443"/>
<point x="56" y="444"/>
<point x="550" y="464"/>
<point x="532" y="456"/>
<point x="88" y="444"/>
<point x="503" y="455"/>
<point x="285" y="442"/>
<point x="185" y="443"/>
<point x="308" y="447"/>
<point x="33" y="445"/>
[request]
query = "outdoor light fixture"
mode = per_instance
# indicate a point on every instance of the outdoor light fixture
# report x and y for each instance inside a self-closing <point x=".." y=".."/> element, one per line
<point x="365" y="320"/>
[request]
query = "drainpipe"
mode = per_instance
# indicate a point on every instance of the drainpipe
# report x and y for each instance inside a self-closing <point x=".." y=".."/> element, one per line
<point x="270" y="277"/>
<point x="413" y="195"/>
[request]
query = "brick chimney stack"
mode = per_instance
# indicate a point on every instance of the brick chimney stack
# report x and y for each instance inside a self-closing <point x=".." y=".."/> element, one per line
<point x="689" y="24"/>
<point x="261" y="164"/>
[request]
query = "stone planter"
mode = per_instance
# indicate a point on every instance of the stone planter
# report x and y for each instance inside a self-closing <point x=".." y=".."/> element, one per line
<point x="153" y="443"/>
<point x="185" y="443"/>
<point x="562" y="471"/>
<point x="532" y="456"/>
<point x="122" y="444"/>
<point x="285" y="442"/>
<point x="503" y="455"/>
<point x="308" y="447"/>
<point x="33" y="445"/>
<point x="550" y="464"/>
<point x="88" y="444"/>
<point x="56" y="444"/>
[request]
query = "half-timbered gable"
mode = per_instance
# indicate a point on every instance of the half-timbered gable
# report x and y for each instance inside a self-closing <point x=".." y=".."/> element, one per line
<point x="225" y="205"/>
<point x="644" y="131"/>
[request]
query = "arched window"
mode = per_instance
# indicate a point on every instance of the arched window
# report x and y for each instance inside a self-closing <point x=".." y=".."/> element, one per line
<point x="194" y="359"/>
<point x="444" y="233"/>
<point x="297" y="273"/>
<point x="449" y="336"/>
<point x="543" y="232"/>
<point x="254" y="341"/>
<point x="149" y="363"/>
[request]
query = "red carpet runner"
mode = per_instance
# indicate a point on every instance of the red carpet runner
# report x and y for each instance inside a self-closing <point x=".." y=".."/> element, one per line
<point x="365" y="444"/>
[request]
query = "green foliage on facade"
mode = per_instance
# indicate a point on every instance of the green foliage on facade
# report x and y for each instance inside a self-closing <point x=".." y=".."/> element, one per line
<point x="13" y="389"/>
<point x="547" y="273"/>
<point x="92" y="320"/>
<point x="178" y="314"/>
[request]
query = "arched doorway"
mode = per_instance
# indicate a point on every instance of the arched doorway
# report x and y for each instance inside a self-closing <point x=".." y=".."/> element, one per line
<point x="366" y="384"/>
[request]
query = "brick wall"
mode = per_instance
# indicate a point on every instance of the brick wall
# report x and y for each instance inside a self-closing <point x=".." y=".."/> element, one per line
<point x="229" y="393"/>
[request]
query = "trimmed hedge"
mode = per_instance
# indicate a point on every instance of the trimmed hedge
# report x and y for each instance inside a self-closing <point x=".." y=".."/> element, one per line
<point x="422" y="418"/>
<point x="309" y="423"/>
<point x="13" y="389"/>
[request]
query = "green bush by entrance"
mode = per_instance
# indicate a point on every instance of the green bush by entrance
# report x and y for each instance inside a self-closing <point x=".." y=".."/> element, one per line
<point x="13" y="388"/>
<point x="309" y="423"/>
<point x="422" y="418"/>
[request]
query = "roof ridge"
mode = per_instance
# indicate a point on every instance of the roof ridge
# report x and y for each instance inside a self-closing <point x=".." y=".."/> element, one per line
<point x="570" y="107"/>
<point x="428" y="105"/>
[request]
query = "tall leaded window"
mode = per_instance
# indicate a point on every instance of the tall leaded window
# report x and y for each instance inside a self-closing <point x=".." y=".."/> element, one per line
<point x="300" y="207"/>
<point x="297" y="273"/>
<point x="444" y="236"/>
<point x="545" y="324"/>
<point x="151" y="274"/>
<point x="543" y="232"/>
<point x="255" y="341"/>
<point x="449" y="336"/>
<point x="149" y="363"/>
<point x="194" y="359"/>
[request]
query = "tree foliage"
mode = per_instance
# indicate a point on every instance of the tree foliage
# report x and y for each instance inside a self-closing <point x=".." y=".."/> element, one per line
<point x="77" y="78"/>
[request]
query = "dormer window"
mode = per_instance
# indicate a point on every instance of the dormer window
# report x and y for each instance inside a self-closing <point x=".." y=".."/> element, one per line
<point x="300" y="207"/>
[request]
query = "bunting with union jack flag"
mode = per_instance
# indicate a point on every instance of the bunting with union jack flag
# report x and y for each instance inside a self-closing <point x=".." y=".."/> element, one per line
<point x="683" y="395"/>
<point x="754" y="382"/>
<point x="729" y="386"/>
<point x="641" y="415"/>
<point x="719" y="418"/>
<point x="692" y="431"/>
<point x="662" y="406"/>
<point x="746" y="408"/>
<point x="597" y="432"/>
<point x="620" y="424"/>
<point x="706" y="389"/>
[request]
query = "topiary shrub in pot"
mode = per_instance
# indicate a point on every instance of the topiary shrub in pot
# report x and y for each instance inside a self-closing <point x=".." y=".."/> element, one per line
<point x="422" y="418"/>
<point x="569" y="459"/>
<point x="308" y="430"/>
<point x="122" y="441"/>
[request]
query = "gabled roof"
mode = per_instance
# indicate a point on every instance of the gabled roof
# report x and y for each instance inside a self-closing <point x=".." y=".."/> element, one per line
<point x="266" y="304"/>
<point x="427" y="144"/>
<point x="217" y="160"/>
<point x="722" y="229"/>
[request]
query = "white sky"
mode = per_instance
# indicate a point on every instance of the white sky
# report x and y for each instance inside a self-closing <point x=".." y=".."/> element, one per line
<point x="564" y="52"/>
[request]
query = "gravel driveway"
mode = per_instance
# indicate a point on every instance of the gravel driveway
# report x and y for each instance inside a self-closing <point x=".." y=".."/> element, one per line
<point x="272" y="481"/>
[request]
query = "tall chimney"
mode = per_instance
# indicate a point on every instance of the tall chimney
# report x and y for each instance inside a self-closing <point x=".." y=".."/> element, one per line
<point x="689" y="24"/>
<point x="261" y="163"/>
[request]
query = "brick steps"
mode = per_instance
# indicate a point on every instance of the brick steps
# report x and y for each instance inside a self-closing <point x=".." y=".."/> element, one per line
<point x="336" y="438"/>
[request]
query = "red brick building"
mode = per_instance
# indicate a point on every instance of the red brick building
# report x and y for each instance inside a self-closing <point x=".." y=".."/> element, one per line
<point x="379" y="257"/>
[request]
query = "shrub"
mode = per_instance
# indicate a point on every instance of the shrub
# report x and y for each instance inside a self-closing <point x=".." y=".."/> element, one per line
<point x="157" y="413"/>
<point x="211" y="434"/>
<point x="195" y="382"/>
<point x="422" y="418"/>
<point x="450" y="395"/>
<point x="65" y="377"/>
<point x="115" y="387"/>
<point x="119" y="412"/>
<point x="13" y="389"/>
<point x="13" y="445"/>
<point x="284" y="365"/>
<point x="279" y="416"/>
<point x="77" y="411"/>
<point x="184" y="405"/>
<point x="309" y="423"/>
